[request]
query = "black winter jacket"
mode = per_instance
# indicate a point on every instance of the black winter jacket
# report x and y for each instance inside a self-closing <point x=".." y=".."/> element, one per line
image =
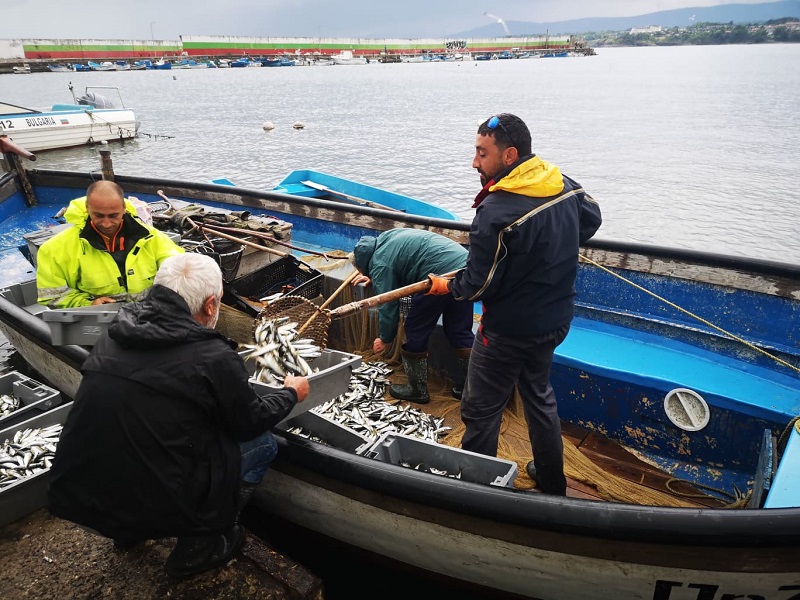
<point x="150" y="447"/>
<point x="523" y="253"/>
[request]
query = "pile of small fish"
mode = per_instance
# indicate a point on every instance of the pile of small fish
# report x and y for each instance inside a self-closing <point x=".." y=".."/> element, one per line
<point x="277" y="352"/>
<point x="29" y="452"/>
<point x="8" y="404"/>
<point x="364" y="410"/>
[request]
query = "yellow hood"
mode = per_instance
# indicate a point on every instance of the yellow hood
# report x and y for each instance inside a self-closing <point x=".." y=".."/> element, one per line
<point x="77" y="214"/>
<point x="535" y="177"/>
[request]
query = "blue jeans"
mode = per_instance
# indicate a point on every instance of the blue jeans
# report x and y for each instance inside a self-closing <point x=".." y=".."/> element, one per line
<point x="424" y="314"/>
<point x="257" y="455"/>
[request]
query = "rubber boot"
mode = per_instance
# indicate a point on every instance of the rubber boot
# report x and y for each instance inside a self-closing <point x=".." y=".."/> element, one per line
<point x="193" y="555"/>
<point x="416" y="367"/>
<point x="463" y="364"/>
<point x="246" y="490"/>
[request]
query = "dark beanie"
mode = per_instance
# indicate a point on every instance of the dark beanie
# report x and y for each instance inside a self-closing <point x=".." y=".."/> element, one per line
<point x="363" y="252"/>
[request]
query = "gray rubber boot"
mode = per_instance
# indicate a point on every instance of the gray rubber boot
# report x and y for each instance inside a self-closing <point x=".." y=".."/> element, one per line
<point x="416" y="367"/>
<point x="463" y="364"/>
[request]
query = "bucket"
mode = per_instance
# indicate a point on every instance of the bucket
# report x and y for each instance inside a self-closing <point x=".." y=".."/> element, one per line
<point x="228" y="255"/>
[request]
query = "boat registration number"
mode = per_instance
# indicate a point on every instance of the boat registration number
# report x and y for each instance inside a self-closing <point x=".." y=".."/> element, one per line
<point x="698" y="591"/>
<point x="32" y="122"/>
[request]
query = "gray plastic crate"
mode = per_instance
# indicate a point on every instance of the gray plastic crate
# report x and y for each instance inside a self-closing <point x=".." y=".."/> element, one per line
<point x="34" y="397"/>
<point x="82" y="325"/>
<point x="30" y="494"/>
<point x="332" y="380"/>
<point x="329" y="431"/>
<point x="403" y="449"/>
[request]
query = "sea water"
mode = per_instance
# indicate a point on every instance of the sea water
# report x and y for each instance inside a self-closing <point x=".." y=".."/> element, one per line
<point x="690" y="146"/>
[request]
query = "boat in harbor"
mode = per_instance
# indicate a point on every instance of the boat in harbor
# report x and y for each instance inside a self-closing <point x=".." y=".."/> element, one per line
<point x="308" y="183"/>
<point x="90" y="119"/>
<point x="346" y="57"/>
<point x="678" y="387"/>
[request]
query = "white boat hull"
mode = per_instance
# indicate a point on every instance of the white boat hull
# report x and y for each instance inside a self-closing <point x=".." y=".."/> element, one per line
<point x="483" y="552"/>
<point x="65" y="129"/>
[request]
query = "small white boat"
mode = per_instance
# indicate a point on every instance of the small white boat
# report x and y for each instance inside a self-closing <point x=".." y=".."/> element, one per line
<point x="21" y="69"/>
<point x="92" y="118"/>
<point x="59" y="68"/>
<point x="122" y="65"/>
<point x="346" y="57"/>
<point x="103" y="66"/>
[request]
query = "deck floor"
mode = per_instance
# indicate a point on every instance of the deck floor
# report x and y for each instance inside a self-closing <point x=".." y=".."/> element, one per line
<point x="610" y="457"/>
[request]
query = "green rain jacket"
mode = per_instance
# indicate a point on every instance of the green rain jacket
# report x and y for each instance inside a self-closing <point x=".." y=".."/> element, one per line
<point x="400" y="257"/>
<point x="74" y="267"/>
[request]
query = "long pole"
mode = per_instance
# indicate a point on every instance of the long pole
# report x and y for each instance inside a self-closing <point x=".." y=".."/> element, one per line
<point x="152" y="37"/>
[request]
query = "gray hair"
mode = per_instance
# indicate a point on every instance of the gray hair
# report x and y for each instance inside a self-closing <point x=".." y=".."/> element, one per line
<point x="194" y="277"/>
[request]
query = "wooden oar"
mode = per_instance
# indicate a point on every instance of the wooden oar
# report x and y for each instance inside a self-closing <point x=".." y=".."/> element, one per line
<point x="353" y="307"/>
<point x="361" y="201"/>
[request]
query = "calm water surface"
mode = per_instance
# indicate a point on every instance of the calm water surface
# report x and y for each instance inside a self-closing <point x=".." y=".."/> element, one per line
<point x="692" y="147"/>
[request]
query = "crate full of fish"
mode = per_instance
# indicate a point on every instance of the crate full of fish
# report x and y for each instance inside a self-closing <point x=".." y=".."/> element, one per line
<point x="286" y="276"/>
<point x="22" y="398"/>
<point x="82" y="325"/>
<point x="319" y="428"/>
<point x="329" y="377"/>
<point x="423" y="455"/>
<point x="26" y="453"/>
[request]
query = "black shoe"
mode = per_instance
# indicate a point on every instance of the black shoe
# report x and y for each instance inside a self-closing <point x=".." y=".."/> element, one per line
<point x="530" y="469"/>
<point x="193" y="555"/>
<point x="123" y="544"/>
<point x="457" y="391"/>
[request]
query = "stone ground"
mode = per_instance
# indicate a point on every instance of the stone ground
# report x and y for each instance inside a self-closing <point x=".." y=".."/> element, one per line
<point x="46" y="558"/>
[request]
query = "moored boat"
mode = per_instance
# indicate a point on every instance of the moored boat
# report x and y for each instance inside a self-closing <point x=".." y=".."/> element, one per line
<point x="90" y="119"/>
<point x="688" y="360"/>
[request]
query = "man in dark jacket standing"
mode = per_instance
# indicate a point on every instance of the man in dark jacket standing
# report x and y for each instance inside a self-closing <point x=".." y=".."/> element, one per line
<point x="167" y="438"/>
<point x="400" y="257"/>
<point x="523" y="261"/>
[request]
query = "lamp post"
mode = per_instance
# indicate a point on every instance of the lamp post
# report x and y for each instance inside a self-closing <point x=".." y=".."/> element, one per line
<point x="152" y="37"/>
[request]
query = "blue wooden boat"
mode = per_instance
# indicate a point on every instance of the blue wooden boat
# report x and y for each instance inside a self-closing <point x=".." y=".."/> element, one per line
<point x="307" y="183"/>
<point x="277" y="61"/>
<point x="681" y="376"/>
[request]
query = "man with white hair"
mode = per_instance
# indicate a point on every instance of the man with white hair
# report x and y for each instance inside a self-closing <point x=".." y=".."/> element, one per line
<point x="167" y="437"/>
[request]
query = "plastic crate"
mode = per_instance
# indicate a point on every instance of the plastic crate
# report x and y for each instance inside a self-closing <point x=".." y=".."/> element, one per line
<point x="287" y="274"/>
<point x="34" y="397"/>
<point x="332" y="380"/>
<point x="404" y="450"/>
<point x="329" y="431"/>
<point x="30" y="494"/>
<point x="82" y="325"/>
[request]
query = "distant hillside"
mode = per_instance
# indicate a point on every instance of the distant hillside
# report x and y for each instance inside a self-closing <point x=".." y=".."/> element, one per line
<point x="737" y="13"/>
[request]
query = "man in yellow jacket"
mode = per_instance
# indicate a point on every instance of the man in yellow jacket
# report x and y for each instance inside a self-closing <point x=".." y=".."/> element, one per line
<point x="109" y="255"/>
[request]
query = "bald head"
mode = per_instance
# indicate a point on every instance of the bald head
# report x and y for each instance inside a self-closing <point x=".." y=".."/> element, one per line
<point x="105" y="203"/>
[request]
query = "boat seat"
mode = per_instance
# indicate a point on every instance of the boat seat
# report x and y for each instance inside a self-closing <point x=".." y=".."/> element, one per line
<point x="655" y="361"/>
<point x="59" y="107"/>
<point x="785" y="489"/>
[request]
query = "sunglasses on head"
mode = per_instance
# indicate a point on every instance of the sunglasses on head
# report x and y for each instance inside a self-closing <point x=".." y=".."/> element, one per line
<point x="494" y="122"/>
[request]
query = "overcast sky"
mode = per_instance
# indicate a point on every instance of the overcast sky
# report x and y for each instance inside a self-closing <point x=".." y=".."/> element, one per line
<point x="168" y="19"/>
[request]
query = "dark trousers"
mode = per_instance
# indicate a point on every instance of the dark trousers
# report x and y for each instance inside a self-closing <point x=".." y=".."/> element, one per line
<point x="424" y="314"/>
<point x="496" y="366"/>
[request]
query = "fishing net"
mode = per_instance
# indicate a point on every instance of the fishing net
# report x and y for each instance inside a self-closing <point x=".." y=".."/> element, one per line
<point x="308" y="316"/>
<point x="356" y="333"/>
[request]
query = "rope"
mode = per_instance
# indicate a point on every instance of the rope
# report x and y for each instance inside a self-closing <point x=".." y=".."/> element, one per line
<point x="794" y="423"/>
<point x="694" y="316"/>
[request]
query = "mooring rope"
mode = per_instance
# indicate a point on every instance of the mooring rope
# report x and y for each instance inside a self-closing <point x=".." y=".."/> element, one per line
<point x="694" y="316"/>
